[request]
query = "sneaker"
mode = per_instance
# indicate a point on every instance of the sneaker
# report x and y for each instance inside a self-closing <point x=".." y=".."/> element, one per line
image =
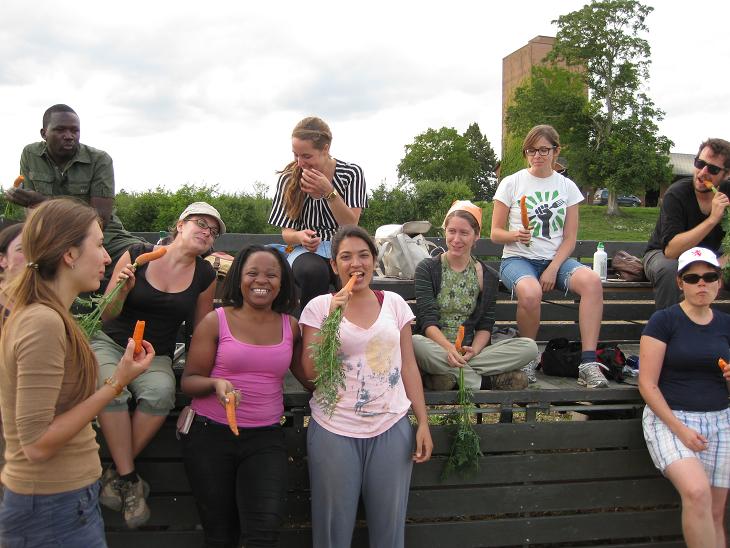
<point x="439" y="382"/>
<point x="590" y="376"/>
<point x="529" y="370"/>
<point x="110" y="495"/>
<point x="135" y="510"/>
<point x="511" y="380"/>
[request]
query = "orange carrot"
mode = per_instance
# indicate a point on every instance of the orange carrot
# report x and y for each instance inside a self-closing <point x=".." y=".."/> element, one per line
<point x="523" y="211"/>
<point x="231" y="412"/>
<point x="709" y="185"/>
<point x="151" y="256"/>
<point x="722" y="364"/>
<point x="350" y="283"/>
<point x="138" y="334"/>
<point x="289" y="248"/>
<point x="460" y="340"/>
<point x="18" y="181"/>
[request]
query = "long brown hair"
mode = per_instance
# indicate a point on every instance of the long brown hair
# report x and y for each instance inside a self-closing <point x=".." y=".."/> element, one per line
<point x="318" y="132"/>
<point x="49" y="232"/>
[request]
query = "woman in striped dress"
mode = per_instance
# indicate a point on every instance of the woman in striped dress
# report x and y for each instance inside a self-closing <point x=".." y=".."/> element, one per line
<point x="315" y="195"/>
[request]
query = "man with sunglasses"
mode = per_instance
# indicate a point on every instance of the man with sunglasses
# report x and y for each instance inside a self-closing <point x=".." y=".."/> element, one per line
<point x="690" y="216"/>
<point x="60" y="165"/>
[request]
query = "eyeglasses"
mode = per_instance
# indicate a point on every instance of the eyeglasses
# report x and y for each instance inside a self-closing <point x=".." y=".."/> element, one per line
<point x="542" y="151"/>
<point x="712" y="168"/>
<point x="202" y="224"/>
<point x="707" y="277"/>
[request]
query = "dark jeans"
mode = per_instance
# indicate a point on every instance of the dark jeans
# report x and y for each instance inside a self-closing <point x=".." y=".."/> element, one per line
<point x="66" y="520"/>
<point x="239" y="483"/>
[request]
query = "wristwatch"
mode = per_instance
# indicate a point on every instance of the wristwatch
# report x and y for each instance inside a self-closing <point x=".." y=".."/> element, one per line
<point x="332" y="195"/>
<point x="115" y="384"/>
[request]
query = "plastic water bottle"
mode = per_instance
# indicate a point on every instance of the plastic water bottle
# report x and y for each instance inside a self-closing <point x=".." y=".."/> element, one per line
<point x="600" y="261"/>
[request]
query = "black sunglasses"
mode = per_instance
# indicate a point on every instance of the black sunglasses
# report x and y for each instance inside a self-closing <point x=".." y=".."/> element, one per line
<point x="707" y="277"/>
<point x="712" y="168"/>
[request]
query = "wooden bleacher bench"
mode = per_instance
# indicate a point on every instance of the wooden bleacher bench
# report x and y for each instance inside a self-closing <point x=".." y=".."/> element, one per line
<point x="544" y="480"/>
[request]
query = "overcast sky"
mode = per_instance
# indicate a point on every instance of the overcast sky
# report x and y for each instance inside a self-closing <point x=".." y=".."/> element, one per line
<point x="208" y="92"/>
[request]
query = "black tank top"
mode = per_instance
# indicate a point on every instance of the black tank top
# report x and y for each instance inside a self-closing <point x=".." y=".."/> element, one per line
<point x="162" y="312"/>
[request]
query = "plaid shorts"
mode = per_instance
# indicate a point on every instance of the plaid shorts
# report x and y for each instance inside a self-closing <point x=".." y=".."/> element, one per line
<point x="666" y="448"/>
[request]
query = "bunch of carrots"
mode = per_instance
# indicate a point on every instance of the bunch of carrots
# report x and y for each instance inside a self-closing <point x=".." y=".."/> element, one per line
<point x="90" y="323"/>
<point x="327" y="361"/>
<point x="726" y="239"/>
<point x="465" y="449"/>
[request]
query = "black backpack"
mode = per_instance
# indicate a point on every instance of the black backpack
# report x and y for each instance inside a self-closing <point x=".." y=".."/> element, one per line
<point x="561" y="358"/>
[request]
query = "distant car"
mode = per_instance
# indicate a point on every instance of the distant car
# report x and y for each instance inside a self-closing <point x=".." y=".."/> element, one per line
<point x="601" y="198"/>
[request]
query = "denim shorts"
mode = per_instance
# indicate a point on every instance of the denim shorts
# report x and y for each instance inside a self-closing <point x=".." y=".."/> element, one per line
<point x="513" y="269"/>
<point x="64" y="520"/>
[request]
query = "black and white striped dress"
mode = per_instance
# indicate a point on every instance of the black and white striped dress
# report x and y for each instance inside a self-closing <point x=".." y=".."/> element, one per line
<point x="349" y="182"/>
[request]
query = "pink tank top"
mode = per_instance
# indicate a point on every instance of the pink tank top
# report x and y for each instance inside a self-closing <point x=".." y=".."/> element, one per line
<point x="256" y="371"/>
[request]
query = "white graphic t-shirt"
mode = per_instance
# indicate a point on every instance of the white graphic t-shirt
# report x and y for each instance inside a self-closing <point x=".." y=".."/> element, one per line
<point x="548" y="200"/>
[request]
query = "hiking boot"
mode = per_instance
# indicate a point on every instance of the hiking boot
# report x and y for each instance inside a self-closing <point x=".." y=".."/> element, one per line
<point x="511" y="380"/>
<point x="110" y="495"/>
<point x="135" y="510"/>
<point x="590" y="376"/>
<point x="529" y="371"/>
<point x="439" y="382"/>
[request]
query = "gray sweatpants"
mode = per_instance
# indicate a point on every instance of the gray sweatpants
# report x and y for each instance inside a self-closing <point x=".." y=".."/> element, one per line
<point x="500" y="357"/>
<point x="341" y="468"/>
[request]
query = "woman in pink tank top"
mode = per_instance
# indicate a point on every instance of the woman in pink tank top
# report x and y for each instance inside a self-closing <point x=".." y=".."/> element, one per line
<point x="240" y="481"/>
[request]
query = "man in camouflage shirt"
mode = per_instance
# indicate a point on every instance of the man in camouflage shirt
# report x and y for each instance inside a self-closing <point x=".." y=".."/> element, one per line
<point x="61" y="166"/>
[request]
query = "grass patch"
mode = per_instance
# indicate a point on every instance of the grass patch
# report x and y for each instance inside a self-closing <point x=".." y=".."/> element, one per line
<point x="635" y="224"/>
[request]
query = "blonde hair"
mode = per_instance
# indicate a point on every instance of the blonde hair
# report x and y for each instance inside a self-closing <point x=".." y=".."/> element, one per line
<point x="318" y="132"/>
<point x="49" y="232"/>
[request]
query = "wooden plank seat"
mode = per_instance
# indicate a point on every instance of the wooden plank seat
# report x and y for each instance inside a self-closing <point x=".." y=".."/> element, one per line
<point x="544" y="479"/>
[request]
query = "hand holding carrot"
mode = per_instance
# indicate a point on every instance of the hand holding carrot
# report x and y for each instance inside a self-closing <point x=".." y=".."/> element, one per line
<point x="342" y="297"/>
<point x="723" y="365"/>
<point x="133" y="364"/>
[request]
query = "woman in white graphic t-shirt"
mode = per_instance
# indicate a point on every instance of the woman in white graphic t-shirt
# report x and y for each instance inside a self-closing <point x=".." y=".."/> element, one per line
<point x="537" y="259"/>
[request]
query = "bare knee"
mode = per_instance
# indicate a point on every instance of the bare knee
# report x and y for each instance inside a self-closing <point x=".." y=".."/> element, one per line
<point x="529" y="294"/>
<point x="586" y="283"/>
<point x="697" y="498"/>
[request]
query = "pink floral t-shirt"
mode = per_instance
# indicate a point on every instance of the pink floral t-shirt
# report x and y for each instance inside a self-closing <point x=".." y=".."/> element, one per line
<point x="374" y="398"/>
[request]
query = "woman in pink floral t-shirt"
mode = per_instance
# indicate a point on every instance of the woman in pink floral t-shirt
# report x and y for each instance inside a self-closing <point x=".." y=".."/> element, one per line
<point x="366" y="445"/>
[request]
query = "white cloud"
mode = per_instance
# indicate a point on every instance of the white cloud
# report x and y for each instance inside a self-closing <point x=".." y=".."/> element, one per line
<point x="191" y="92"/>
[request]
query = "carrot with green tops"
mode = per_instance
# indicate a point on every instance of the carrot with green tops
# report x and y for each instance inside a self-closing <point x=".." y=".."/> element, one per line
<point x="137" y="336"/>
<point x="231" y="412"/>
<point x="327" y="361"/>
<point x="145" y="258"/>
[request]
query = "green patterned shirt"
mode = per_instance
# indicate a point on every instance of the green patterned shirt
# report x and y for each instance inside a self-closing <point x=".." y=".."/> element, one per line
<point x="458" y="296"/>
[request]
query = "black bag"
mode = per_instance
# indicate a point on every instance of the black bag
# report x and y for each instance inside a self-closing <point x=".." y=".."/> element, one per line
<point x="561" y="358"/>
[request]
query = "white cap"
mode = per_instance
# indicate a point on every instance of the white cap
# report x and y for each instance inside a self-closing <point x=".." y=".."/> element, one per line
<point x="203" y="208"/>
<point x="696" y="255"/>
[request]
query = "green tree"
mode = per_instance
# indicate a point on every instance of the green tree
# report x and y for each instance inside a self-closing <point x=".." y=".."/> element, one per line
<point x="445" y="155"/>
<point x="484" y="181"/>
<point x="604" y="38"/>
<point x="556" y="96"/>
<point x="440" y="155"/>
